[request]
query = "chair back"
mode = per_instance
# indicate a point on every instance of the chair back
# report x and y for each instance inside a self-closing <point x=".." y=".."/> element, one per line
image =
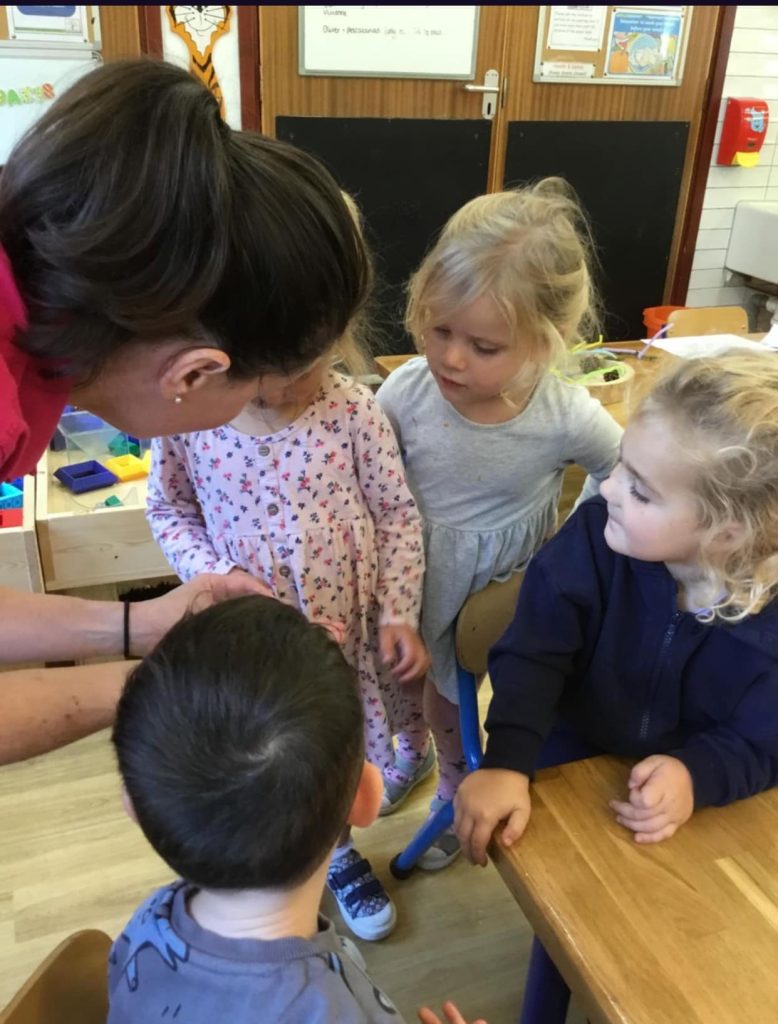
<point x="685" y="323"/>
<point x="69" y="987"/>
<point x="483" y="619"/>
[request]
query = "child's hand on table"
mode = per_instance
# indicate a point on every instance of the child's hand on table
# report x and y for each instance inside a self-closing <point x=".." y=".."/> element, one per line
<point x="484" y="799"/>
<point x="403" y="651"/>
<point x="661" y="799"/>
<point x="453" y="1016"/>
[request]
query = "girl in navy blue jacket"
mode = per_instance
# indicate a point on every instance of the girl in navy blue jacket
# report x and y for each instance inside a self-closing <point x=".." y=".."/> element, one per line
<point x="647" y="627"/>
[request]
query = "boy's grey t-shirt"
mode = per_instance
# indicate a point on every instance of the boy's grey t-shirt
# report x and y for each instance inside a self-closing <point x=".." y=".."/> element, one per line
<point x="165" y="967"/>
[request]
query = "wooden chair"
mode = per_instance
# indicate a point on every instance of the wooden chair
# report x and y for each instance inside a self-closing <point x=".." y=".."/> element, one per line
<point x="685" y="323"/>
<point x="69" y="987"/>
<point x="482" y="621"/>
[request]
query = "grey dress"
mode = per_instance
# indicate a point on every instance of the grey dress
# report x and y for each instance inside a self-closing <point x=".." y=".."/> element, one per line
<point x="488" y="493"/>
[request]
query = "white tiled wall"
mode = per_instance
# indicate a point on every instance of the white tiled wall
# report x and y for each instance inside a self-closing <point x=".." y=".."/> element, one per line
<point x="752" y="70"/>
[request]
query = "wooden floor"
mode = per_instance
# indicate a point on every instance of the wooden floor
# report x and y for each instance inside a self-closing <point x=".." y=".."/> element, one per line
<point x="70" y="859"/>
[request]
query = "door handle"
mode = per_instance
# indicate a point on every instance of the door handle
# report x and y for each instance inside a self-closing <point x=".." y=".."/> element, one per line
<point x="489" y="91"/>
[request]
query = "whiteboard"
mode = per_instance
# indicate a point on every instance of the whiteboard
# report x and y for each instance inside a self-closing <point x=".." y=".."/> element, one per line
<point x="31" y="77"/>
<point x="389" y="42"/>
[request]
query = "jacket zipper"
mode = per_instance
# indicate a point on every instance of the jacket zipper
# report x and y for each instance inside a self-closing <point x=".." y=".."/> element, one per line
<point x="667" y="639"/>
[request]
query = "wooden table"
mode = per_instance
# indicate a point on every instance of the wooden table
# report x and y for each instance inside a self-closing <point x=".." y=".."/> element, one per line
<point x="682" y="932"/>
<point x="646" y="371"/>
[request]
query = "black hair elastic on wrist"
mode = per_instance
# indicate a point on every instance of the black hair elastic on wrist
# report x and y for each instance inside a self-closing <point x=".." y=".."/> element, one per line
<point x="127" y="629"/>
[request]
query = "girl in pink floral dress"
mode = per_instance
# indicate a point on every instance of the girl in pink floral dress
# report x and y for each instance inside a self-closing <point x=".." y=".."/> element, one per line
<point x="306" y="490"/>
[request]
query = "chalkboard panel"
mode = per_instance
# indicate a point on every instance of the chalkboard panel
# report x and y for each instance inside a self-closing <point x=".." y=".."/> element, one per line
<point x="408" y="177"/>
<point x="628" y="176"/>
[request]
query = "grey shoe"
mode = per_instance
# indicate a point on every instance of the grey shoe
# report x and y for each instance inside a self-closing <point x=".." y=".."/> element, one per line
<point x="444" y="851"/>
<point x="395" y="793"/>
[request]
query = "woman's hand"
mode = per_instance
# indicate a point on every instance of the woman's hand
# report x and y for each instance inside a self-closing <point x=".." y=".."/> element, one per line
<point x="150" y="620"/>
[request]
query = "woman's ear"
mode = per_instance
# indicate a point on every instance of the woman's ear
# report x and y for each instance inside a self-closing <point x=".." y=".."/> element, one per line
<point x="367" y="800"/>
<point x="128" y="807"/>
<point x="190" y="369"/>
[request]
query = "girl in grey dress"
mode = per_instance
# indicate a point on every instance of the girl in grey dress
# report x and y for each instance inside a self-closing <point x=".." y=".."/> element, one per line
<point x="485" y="427"/>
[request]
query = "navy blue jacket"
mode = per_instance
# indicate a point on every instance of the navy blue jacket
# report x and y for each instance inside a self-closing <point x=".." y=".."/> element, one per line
<point x="598" y="641"/>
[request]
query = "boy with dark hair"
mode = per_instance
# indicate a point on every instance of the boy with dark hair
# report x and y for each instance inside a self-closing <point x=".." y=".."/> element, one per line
<point x="240" y="744"/>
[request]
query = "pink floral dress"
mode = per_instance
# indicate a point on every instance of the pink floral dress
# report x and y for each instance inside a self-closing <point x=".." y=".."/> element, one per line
<point x="321" y="512"/>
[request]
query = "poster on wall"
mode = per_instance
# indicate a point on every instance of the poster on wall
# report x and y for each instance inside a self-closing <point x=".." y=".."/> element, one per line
<point x="643" y="43"/>
<point x="205" y="40"/>
<point x="55" y="22"/>
<point x="576" y="28"/>
<point x="389" y="42"/>
<point x="31" y="78"/>
<point x="200" y="27"/>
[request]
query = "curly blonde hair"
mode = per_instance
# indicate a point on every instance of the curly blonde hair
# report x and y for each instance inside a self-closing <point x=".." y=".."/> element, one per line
<point x="726" y="412"/>
<point x="530" y="251"/>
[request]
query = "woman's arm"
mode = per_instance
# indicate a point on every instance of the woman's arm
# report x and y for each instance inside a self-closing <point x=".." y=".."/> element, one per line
<point x="45" y="708"/>
<point x="50" y="627"/>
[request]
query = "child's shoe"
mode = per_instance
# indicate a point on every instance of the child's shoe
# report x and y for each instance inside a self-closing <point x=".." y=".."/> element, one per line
<point x="362" y="900"/>
<point x="395" y="793"/>
<point x="444" y="850"/>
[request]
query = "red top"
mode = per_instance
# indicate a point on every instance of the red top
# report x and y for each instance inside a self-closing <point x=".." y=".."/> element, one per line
<point x="30" y="404"/>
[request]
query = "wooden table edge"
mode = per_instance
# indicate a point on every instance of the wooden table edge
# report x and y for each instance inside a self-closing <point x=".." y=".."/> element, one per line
<point x="590" y="996"/>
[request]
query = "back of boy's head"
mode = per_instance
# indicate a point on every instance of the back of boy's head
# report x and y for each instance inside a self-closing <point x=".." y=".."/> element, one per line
<point x="240" y="744"/>
<point x="528" y="249"/>
<point x="724" y="414"/>
<point x="132" y="210"/>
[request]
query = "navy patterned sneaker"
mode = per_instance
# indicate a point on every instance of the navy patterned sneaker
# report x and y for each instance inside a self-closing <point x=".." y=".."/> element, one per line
<point x="363" y="902"/>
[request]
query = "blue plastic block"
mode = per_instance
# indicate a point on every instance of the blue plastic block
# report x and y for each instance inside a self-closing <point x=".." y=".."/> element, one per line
<point x="58" y="443"/>
<point x="85" y="476"/>
<point x="18" y="481"/>
<point x="10" y="496"/>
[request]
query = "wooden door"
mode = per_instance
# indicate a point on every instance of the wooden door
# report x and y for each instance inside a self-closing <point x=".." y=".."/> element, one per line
<point x="412" y="151"/>
<point x="630" y="152"/>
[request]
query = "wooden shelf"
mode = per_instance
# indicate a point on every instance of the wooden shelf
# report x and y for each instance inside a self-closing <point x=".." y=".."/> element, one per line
<point x="81" y="545"/>
<point x="20" y="564"/>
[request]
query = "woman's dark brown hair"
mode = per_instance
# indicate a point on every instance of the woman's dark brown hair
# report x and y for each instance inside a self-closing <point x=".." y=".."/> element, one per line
<point x="130" y="210"/>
